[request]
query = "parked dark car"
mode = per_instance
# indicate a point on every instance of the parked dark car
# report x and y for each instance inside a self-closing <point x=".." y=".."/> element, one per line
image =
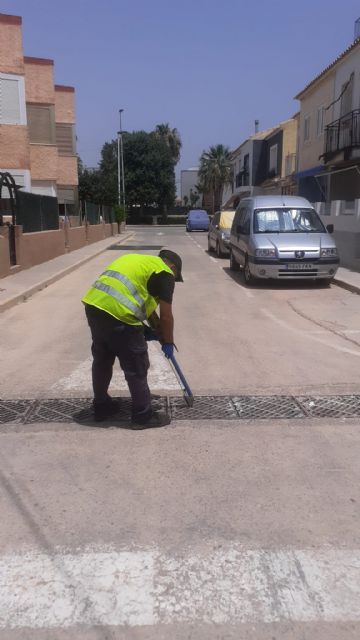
<point x="197" y="220"/>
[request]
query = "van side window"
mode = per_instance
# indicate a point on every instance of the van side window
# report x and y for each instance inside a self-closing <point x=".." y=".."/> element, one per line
<point x="246" y="222"/>
<point x="216" y="219"/>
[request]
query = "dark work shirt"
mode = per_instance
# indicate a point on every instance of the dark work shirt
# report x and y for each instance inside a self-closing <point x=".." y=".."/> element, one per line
<point x="161" y="285"/>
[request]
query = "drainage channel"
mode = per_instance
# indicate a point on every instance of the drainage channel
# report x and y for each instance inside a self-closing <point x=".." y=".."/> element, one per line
<point x="79" y="410"/>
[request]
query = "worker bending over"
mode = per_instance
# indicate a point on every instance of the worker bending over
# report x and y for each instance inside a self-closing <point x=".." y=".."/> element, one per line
<point x="125" y="295"/>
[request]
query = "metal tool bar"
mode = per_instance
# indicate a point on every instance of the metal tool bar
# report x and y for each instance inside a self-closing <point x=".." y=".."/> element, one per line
<point x="188" y="396"/>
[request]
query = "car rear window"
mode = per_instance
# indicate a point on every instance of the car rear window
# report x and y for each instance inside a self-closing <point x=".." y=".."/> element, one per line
<point x="198" y="214"/>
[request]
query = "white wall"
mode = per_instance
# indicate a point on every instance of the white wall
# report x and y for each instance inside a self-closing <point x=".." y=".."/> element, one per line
<point x="351" y="64"/>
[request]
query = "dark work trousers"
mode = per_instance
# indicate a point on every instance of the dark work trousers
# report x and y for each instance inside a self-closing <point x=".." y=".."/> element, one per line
<point x="114" y="339"/>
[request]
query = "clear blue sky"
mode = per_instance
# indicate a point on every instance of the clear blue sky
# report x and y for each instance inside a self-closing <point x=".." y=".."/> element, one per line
<point x="208" y="67"/>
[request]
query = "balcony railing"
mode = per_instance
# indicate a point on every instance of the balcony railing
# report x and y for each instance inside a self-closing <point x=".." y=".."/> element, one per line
<point x="342" y="134"/>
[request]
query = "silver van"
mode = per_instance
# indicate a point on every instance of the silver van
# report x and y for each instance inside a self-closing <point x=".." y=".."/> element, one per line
<point x="281" y="237"/>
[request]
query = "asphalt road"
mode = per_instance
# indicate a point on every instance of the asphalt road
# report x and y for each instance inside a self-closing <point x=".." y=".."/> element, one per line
<point x="204" y="529"/>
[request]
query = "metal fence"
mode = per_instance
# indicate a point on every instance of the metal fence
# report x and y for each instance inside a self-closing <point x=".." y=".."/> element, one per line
<point x="36" y="212"/>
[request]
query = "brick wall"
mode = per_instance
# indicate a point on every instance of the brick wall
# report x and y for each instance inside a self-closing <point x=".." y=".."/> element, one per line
<point x="67" y="173"/>
<point x="39" y="80"/>
<point x="44" y="162"/>
<point x="64" y="104"/>
<point x="14" y="147"/>
<point x="11" y="51"/>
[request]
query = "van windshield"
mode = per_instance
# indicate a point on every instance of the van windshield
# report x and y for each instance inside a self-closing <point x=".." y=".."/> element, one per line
<point x="287" y="221"/>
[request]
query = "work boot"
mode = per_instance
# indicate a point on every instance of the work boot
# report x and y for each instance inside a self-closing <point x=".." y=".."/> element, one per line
<point x="106" y="409"/>
<point x="157" y="419"/>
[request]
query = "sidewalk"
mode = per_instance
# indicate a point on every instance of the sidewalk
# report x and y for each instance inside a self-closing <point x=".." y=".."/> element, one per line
<point x="20" y="286"/>
<point x="345" y="278"/>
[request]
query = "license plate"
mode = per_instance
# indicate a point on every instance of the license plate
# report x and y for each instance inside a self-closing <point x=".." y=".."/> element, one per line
<point x="299" y="266"/>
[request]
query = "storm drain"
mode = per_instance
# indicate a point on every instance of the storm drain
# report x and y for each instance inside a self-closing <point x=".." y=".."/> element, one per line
<point x="68" y="410"/>
<point x="332" y="406"/>
<point x="204" y="408"/>
<point x="135" y="247"/>
<point x="267" y="407"/>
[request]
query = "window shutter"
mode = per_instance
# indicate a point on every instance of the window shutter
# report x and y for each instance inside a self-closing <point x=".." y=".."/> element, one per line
<point x="41" y="123"/>
<point x="66" y="194"/>
<point x="65" y="139"/>
<point x="9" y="101"/>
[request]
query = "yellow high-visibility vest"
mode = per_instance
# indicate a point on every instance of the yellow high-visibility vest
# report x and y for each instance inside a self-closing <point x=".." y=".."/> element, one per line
<point x="121" y="290"/>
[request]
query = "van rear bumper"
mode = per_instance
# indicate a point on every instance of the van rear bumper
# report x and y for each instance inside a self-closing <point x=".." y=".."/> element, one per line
<point x="321" y="268"/>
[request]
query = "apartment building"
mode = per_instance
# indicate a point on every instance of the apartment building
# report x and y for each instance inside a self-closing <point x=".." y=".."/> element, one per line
<point x="246" y="162"/>
<point x="329" y="132"/>
<point x="37" y="121"/>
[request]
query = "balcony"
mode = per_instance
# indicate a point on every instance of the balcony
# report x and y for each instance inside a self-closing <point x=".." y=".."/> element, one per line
<point x="290" y="164"/>
<point x="242" y="179"/>
<point x="342" y="135"/>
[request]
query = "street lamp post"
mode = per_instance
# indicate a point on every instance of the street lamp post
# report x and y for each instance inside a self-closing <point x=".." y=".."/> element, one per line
<point x="120" y="162"/>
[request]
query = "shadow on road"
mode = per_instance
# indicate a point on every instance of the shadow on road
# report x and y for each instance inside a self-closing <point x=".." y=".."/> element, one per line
<point x="276" y="285"/>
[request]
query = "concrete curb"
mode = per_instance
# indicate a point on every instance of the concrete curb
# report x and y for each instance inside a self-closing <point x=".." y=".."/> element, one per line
<point x="353" y="288"/>
<point x="25" y="295"/>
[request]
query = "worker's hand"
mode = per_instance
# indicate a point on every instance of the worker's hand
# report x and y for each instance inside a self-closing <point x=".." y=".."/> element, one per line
<point x="149" y="334"/>
<point x="168" y="349"/>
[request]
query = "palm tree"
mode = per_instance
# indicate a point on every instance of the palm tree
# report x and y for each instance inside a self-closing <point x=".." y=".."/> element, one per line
<point x="215" y="172"/>
<point x="172" y="139"/>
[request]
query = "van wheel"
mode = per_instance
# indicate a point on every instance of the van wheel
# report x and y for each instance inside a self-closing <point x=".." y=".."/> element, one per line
<point x="219" y="253"/>
<point x="234" y="266"/>
<point x="209" y="245"/>
<point x="248" y="277"/>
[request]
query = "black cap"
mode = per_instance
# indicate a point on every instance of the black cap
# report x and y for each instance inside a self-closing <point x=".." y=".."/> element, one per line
<point x="175" y="259"/>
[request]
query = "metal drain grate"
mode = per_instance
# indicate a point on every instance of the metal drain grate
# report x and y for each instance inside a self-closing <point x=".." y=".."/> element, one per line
<point x="69" y="410"/>
<point x="267" y="407"/>
<point x="14" y="410"/>
<point x="135" y="247"/>
<point x="204" y="408"/>
<point x="331" y="406"/>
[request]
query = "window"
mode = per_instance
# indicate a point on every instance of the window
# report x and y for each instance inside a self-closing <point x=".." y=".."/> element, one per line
<point x="320" y="121"/>
<point x="347" y="96"/>
<point x="287" y="221"/>
<point x="41" y="122"/>
<point x="273" y="158"/>
<point x="12" y="99"/>
<point x="306" y="128"/>
<point x="65" y="139"/>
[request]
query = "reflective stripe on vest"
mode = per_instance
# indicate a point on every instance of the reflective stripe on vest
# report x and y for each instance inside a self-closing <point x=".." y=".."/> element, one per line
<point x="128" y="284"/>
<point x="138" y="313"/>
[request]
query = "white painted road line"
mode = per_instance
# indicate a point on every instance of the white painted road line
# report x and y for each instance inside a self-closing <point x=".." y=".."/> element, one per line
<point x="160" y="375"/>
<point x="217" y="586"/>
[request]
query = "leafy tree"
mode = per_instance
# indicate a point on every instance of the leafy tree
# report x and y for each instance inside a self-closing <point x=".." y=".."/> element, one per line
<point x="149" y="170"/>
<point x="194" y="197"/>
<point x="215" y="171"/>
<point x="90" y="187"/>
<point x="172" y="139"/>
